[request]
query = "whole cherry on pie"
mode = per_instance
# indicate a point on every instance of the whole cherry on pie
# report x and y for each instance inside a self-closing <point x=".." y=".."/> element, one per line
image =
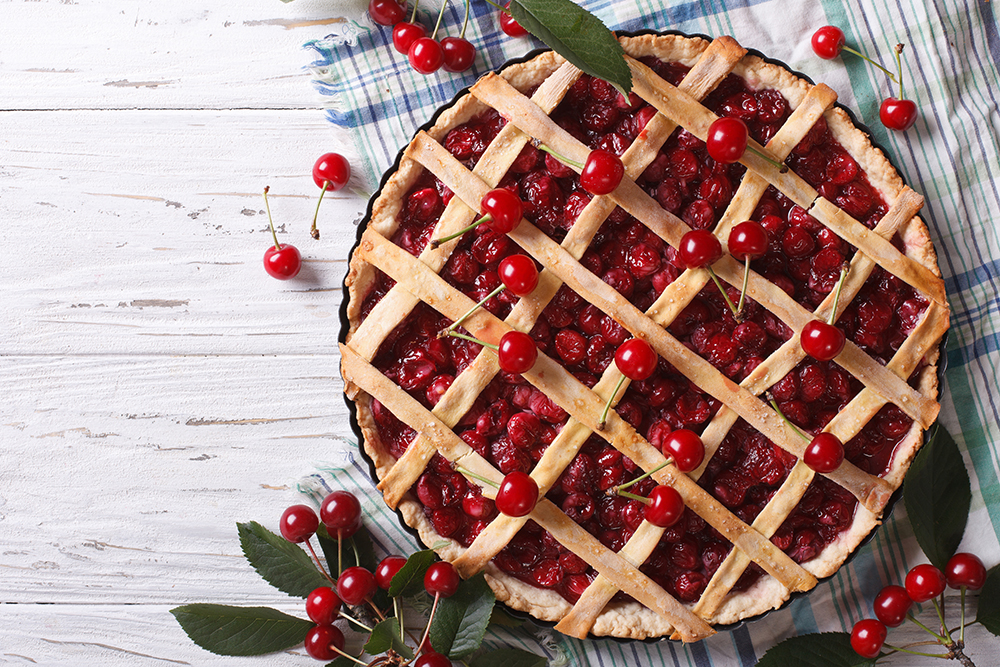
<point x="699" y="248"/>
<point x="602" y="172"/>
<point x="727" y="140"/>
<point x="686" y="449"/>
<point x="824" y="453"/>
<point x="822" y="341"/>
<point x="665" y="508"/>
<point x="517" y="352"/>
<point x="517" y="494"/>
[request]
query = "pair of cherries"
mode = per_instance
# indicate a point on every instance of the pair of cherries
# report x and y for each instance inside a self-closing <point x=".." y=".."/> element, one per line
<point x="425" y="54"/>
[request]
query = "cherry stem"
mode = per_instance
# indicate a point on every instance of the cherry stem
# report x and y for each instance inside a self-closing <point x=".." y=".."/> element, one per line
<point x="344" y="614"/>
<point x="457" y="323"/>
<point x="627" y="494"/>
<point x="774" y="404"/>
<point x="465" y="23"/>
<point x="397" y="612"/>
<point x="455" y="334"/>
<point x="378" y="612"/>
<point x="413" y="16"/>
<point x="340" y="555"/>
<point x="743" y="290"/>
<point x="440" y="14"/>
<point x="503" y="9"/>
<point x="607" y="406"/>
<point x="486" y="218"/>
<point x="899" y="67"/>
<point x="617" y="490"/>
<point x="780" y="166"/>
<point x="312" y="230"/>
<point x="348" y="656"/>
<point x="466" y="471"/>
<point x="940" y="613"/>
<point x="904" y="650"/>
<point x="961" y="636"/>
<point x="864" y="57"/>
<point x="836" y="295"/>
<point x="318" y="564"/>
<point x="938" y="637"/>
<point x="277" y="246"/>
<point x="430" y="619"/>
<point x="725" y="296"/>
<point x="562" y="158"/>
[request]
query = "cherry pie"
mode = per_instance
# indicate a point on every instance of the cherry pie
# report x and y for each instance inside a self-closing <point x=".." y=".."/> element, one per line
<point x="432" y="409"/>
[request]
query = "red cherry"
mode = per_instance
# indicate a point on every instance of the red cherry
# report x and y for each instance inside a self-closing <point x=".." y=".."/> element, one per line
<point x="404" y="34"/>
<point x="387" y="569"/>
<point x="747" y="239"/>
<point x="924" y="582"/>
<point x="517" y="352"/>
<point x="517" y="494"/>
<point x="965" y="569"/>
<point x="298" y="523"/>
<point x="340" y="513"/>
<point x="698" y="248"/>
<point x="442" y="579"/>
<point x="519" y="274"/>
<point x="332" y="170"/>
<point x="459" y="54"/>
<point x="821" y="341"/>
<point x="636" y="359"/>
<point x="602" y="172"/>
<point x="685" y="448"/>
<point x="321" y="640"/>
<point x="425" y="55"/>
<point x="867" y="637"/>
<point x="509" y="25"/>
<point x="892" y="604"/>
<point x="824" y="453"/>
<point x="282" y="262"/>
<point x="355" y="584"/>
<point x="828" y="41"/>
<point x="505" y="209"/>
<point x="386" y="12"/>
<point x="898" y="115"/>
<point x="666" y="508"/>
<point x="322" y="605"/>
<point x="431" y="659"/>
<point x="726" y="140"/>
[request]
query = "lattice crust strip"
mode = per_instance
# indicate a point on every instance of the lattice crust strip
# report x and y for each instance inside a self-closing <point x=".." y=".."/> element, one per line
<point x="417" y="281"/>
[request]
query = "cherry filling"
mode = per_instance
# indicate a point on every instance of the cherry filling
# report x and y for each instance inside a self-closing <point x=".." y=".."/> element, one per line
<point x="511" y="423"/>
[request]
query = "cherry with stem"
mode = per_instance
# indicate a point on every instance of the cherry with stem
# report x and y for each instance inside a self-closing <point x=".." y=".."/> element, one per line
<point x="518" y="274"/>
<point x="828" y="42"/>
<point x="516" y="351"/>
<point x="898" y="114"/>
<point x="747" y="241"/>
<point x="280" y="261"/>
<point x="822" y="340"/>
<point x="825" y="451"/>
<point x="516" y="495"/>
<point x="330" y="173"/>
<point x="699" y="249"/>
<point x="728" y="139"/>
<point x="502" y="212"/>
<point x="601" y="173"/>
<point x="636" y="360"/>
<point x="459" y="53"/>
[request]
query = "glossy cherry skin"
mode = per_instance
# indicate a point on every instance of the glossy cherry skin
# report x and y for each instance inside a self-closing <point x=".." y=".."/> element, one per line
<point x="828" y="41"/>
<point x="404" y="34"/>
<point x="636" y="359"/>
<point x="321" y="638"/>
<point x="442" y="579"/>
<point x="332" y="170"/>
<point x="459" y="54"/>
<point x="322" y="605"/>
<point x="341" y="513"/>
<point x="899" y="115"/>
<point x="698" y="248"/>
<point x="666" y="507"/>
<point x="867" y="637"/>
<point x="517" y="494"/>
<point x="431" y="659"/>
<point x="517" y="352"/>
<point x="892" y="604"/>
<point x="824" y="453"/>
<point x="425" y="55"/>
<point x="821" y="341"/>
<point x="726" y="140"/>
<point x="519" y="274"/>
<point x="354" y="585"/>
<point x="283" y="263"/>
<point x="685" y="448"/>
<point x="602" y="172"/>
<point x="509" y="25"/>
<point x="387" y="569"/>
<point x="298" y="523"/>
<point x="504" y="209"/>
<point x="747" y="239"/>
<point x="924" y="582"/>
<point x="965" y="569"/>
<point x="386" y="12"/>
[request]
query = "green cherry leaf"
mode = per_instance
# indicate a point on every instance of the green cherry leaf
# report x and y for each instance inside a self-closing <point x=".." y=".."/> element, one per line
<point x="361" y="542"/>
<point x="225" y="630"/>
<point x="385" y="636"/>
<point x="341" y="661"/>
<point x="576" y="35"/>
<point x="937" y="496"/>
<point x="410" y="579"/>
<point x="508" y="657"/>
<point x="284" y="565"/>
<point x="460" y="621"/>
<point x="989" y="602"/>
<point x="826" y="649"/>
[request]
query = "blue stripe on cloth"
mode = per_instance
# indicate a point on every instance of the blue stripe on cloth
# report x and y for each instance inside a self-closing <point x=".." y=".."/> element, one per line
<point x="744" y="646"/>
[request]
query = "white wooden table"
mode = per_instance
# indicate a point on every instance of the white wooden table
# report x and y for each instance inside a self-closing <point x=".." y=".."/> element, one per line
<point x="158" y="386"/>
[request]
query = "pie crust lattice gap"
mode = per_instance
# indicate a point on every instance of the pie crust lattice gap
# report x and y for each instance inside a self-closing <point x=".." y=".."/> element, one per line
<point x="418" y="280"/>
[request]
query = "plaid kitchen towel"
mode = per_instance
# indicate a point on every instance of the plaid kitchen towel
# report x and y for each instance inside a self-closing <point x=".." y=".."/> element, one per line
<point x="950" y="156"/>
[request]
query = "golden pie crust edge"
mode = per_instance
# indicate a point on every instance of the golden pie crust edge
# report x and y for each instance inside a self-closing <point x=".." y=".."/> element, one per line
<point x="631" y="619"/>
